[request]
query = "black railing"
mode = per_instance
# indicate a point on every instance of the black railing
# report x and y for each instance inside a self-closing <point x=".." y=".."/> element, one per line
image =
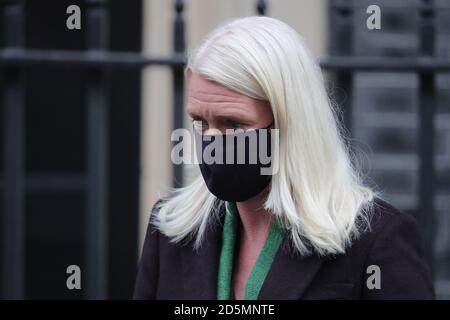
<point x="426" y="66"/>
<point x="427" y="102"/>
<point x="96" y="220"/>
<point x="97" y="58"/>
<point x="14" y="57"/>
<point x="94" y="182"/>
<point x="178" y="82"/>
<point x="14" y="178"/>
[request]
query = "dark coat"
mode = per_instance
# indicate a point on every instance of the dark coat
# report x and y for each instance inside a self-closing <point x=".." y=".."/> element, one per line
<point x="174" y="271"/>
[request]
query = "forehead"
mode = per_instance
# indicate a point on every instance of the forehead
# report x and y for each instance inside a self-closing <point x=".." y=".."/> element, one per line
<point x="207" y="91"/>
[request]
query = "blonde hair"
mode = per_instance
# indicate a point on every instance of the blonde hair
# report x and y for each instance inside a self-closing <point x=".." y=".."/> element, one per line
<point x="318" y="194"/>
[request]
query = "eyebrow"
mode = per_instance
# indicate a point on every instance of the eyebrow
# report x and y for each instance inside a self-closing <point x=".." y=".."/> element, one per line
<point x="219" y="117"/>
<point x="230" y="117"/>
<point x="194" y="114"/>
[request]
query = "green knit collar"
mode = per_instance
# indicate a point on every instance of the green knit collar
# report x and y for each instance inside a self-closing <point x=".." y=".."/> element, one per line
<point x="262" y="264"/>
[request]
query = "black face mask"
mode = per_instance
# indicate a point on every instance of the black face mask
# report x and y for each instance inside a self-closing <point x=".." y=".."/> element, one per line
<point x="235" y="181"/>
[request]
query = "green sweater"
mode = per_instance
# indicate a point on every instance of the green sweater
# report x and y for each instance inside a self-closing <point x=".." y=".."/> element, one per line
<point x="227" y="254"/>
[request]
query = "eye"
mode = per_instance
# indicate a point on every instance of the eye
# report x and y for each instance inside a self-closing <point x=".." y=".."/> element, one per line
<point x="232" y="124"/>
<point x="199" y="124"/>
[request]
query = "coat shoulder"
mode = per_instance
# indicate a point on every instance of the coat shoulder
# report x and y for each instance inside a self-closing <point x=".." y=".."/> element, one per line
<point x="394" y="244"/>
<point x="384" y="218"/>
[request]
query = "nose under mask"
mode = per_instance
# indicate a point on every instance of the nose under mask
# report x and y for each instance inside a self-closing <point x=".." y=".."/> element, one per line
<point x="220" y="159"/>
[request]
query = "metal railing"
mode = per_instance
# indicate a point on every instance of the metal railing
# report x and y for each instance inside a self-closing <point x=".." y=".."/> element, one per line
<point x="426" y="66"/>
<point x="14" y="58"/>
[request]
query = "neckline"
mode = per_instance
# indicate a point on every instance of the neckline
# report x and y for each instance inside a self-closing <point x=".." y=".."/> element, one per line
<point x="262" y="265"/>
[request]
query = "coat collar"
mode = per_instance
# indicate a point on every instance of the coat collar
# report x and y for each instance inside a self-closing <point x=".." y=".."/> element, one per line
<point x="289" y="275"/>
<point x="287" y="279"/>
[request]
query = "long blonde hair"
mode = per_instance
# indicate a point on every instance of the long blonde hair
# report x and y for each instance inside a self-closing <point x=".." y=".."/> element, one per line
<point x="318" y="194"/>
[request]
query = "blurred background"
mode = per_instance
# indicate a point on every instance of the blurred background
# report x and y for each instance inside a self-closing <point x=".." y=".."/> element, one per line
<point x="86" y="117"/>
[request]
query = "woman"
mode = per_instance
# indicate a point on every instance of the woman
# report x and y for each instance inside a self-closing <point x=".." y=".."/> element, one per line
<point x="308" y="230"/>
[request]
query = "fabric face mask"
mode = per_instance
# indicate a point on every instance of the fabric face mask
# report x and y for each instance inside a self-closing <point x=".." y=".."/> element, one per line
<point x="235" y="166"/>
